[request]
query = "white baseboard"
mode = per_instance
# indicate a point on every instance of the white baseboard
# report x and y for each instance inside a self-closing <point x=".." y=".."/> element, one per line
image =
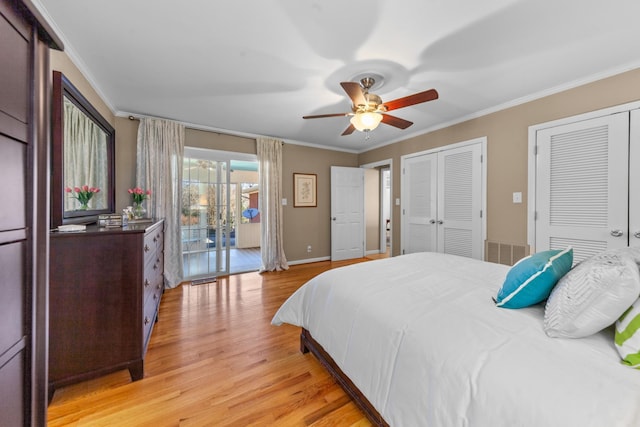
<point x="306" y="261"/>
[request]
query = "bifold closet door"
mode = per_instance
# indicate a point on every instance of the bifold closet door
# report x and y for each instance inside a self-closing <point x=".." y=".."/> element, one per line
<point x="582" y="189"/>
<point x="634" y="179"/>
<point x="443" y="202"/>
<point x="420" y="182"/>
<point x="460" y="201"/>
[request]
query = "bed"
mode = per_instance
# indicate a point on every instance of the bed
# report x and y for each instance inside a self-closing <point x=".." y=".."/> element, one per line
<point x="417" y="340"/>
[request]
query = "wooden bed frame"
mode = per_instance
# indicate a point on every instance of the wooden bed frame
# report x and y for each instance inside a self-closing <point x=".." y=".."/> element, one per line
<point x="308" y="344"/>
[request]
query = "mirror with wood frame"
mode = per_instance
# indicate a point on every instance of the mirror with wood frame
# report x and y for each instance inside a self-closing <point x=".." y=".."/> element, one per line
<point x="83" y="150"/>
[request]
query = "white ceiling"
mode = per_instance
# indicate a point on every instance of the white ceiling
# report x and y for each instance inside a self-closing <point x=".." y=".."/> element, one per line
<point x="256" y="67"/>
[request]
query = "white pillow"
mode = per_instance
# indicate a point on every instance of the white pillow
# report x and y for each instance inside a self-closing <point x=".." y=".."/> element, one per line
<point x="627" y="336"/>
<point x="593" y="294"/>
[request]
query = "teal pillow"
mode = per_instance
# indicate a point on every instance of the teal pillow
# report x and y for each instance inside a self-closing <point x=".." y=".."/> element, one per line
<point x="531" y="279"/>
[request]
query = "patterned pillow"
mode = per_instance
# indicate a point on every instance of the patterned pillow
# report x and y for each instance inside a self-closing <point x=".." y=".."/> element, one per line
<point x="627" y="336"/>
<point x="592" y="295"/>
<point x="531" y="279"/>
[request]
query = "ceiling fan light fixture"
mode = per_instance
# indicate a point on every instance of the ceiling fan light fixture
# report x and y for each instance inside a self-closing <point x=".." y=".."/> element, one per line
<point x="366" y="121"/>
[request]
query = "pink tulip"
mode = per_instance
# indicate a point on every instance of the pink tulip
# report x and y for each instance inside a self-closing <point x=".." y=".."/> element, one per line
<point x="68" y="190"/>
<point x="77" y="189"/>
<point x="130" y="191"/>
<point x="85" y="188"/>
<point x="148" y="192"/>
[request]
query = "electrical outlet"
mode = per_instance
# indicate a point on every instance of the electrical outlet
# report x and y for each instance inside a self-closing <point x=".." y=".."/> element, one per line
<point x="517" y="197"/>
<point x="309" y="249"/>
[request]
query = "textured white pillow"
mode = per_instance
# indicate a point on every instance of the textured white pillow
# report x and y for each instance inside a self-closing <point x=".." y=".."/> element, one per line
<point x="593" y="294"/>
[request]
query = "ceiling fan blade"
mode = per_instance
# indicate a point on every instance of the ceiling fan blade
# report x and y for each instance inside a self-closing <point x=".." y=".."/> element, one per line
<point x="349" y="130"/>
<point x="416" y="98"/>
<point x="354" y="90"/>
<point x="396" y="121"/>
<point x="321" y="116"/>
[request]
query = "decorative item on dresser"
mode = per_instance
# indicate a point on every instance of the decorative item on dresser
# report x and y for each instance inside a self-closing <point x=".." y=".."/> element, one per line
<point x="105" y="290"/>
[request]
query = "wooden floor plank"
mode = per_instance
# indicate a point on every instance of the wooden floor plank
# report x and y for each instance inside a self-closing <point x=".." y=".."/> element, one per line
<point x="214" y="359"/>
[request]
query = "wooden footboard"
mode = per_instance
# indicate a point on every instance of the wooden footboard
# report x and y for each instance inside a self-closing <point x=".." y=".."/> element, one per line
<point x="308" y="344"/>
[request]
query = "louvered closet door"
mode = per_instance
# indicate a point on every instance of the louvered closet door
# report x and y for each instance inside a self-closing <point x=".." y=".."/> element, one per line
<point x="634" y="179"/>
<point x="582" y="186"/>
<point x="420" y="209"/>
<point x="459" y="201"/>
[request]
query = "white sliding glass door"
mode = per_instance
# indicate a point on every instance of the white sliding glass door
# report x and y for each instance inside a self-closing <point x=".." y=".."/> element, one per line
<point x="206" y="219"/>
<point x="220" y="220"/>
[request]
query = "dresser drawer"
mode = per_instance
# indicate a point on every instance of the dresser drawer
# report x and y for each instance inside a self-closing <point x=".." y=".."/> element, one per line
<point x="153" y="274"/>
<point x="153" y="242"/>
<point x="149" y="313"/>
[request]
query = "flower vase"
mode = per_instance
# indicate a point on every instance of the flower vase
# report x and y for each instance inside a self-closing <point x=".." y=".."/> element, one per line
<point x="83" y="206"/>
<point x="139" y="211"/>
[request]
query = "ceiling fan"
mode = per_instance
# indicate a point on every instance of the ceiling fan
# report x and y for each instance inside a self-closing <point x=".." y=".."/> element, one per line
<point x="368" y="110"/>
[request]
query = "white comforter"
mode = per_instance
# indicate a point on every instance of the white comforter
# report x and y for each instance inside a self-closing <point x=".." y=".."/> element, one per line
<point x="420" y="336"/>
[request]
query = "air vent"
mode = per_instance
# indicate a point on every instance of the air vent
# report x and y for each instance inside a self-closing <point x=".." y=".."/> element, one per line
<point x="504" y="253"/>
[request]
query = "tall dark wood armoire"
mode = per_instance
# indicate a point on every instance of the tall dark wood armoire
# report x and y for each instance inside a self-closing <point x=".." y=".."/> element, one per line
<point x="25" y="93"/>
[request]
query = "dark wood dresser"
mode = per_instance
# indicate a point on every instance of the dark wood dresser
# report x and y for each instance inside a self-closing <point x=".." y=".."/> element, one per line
<point x="105" y="290"/>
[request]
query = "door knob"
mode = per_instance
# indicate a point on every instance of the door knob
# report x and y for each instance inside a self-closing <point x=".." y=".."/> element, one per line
<point x="440" y="221"/>
<point x="433" y="221"/>
<point x="333" y="219"/>
<point x="616" y="233"/>
<point x="636" y="234"/>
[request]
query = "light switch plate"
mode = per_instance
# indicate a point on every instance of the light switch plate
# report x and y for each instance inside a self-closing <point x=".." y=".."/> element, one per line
<point x="284" y="202"/>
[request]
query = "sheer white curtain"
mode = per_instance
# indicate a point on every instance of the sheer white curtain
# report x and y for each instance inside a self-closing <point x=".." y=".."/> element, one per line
<point x="271" y="241"/>
<point x="159" y="168"/>
<point x="85" y="143"/>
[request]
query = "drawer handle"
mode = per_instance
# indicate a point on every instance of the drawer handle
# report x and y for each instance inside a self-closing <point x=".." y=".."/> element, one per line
<point x="155" y="266"/>
<point x="146" y="283"/>
<point x="146" y="248"/>
<point x="158" y="286"/>
<point x="158" y="235"/>
<point x="146" y="320"/>
<point x="155" y="239"/>
<point x="155" y="296"/>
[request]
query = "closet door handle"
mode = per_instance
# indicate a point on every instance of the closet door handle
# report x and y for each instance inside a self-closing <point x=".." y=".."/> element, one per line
<point x="433" y="221"/>
<point x="616" y="233"/>
<point x="440" y="222"/>
<point x="636" y="234"/>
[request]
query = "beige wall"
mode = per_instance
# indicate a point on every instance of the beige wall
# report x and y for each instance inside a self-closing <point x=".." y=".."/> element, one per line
<point x="302" y="226"/>
<point x="61" y="62"/>
<point x="219" y="141"/>
<point x="507" y="142"/>
<point x="309" y="226"/>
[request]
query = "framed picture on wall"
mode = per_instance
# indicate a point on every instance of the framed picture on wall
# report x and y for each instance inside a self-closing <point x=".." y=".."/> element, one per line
<point x="305" y="190"/>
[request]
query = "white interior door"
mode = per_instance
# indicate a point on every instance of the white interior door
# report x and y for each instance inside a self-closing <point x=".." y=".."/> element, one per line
<point x="582" y="172"/>
<point x="347" y="213"/>
<point x="420" y="204"/>
<point x="459" y="218"/>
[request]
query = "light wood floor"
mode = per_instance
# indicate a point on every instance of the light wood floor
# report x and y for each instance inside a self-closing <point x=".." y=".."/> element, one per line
<point x="215" y="360"/>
